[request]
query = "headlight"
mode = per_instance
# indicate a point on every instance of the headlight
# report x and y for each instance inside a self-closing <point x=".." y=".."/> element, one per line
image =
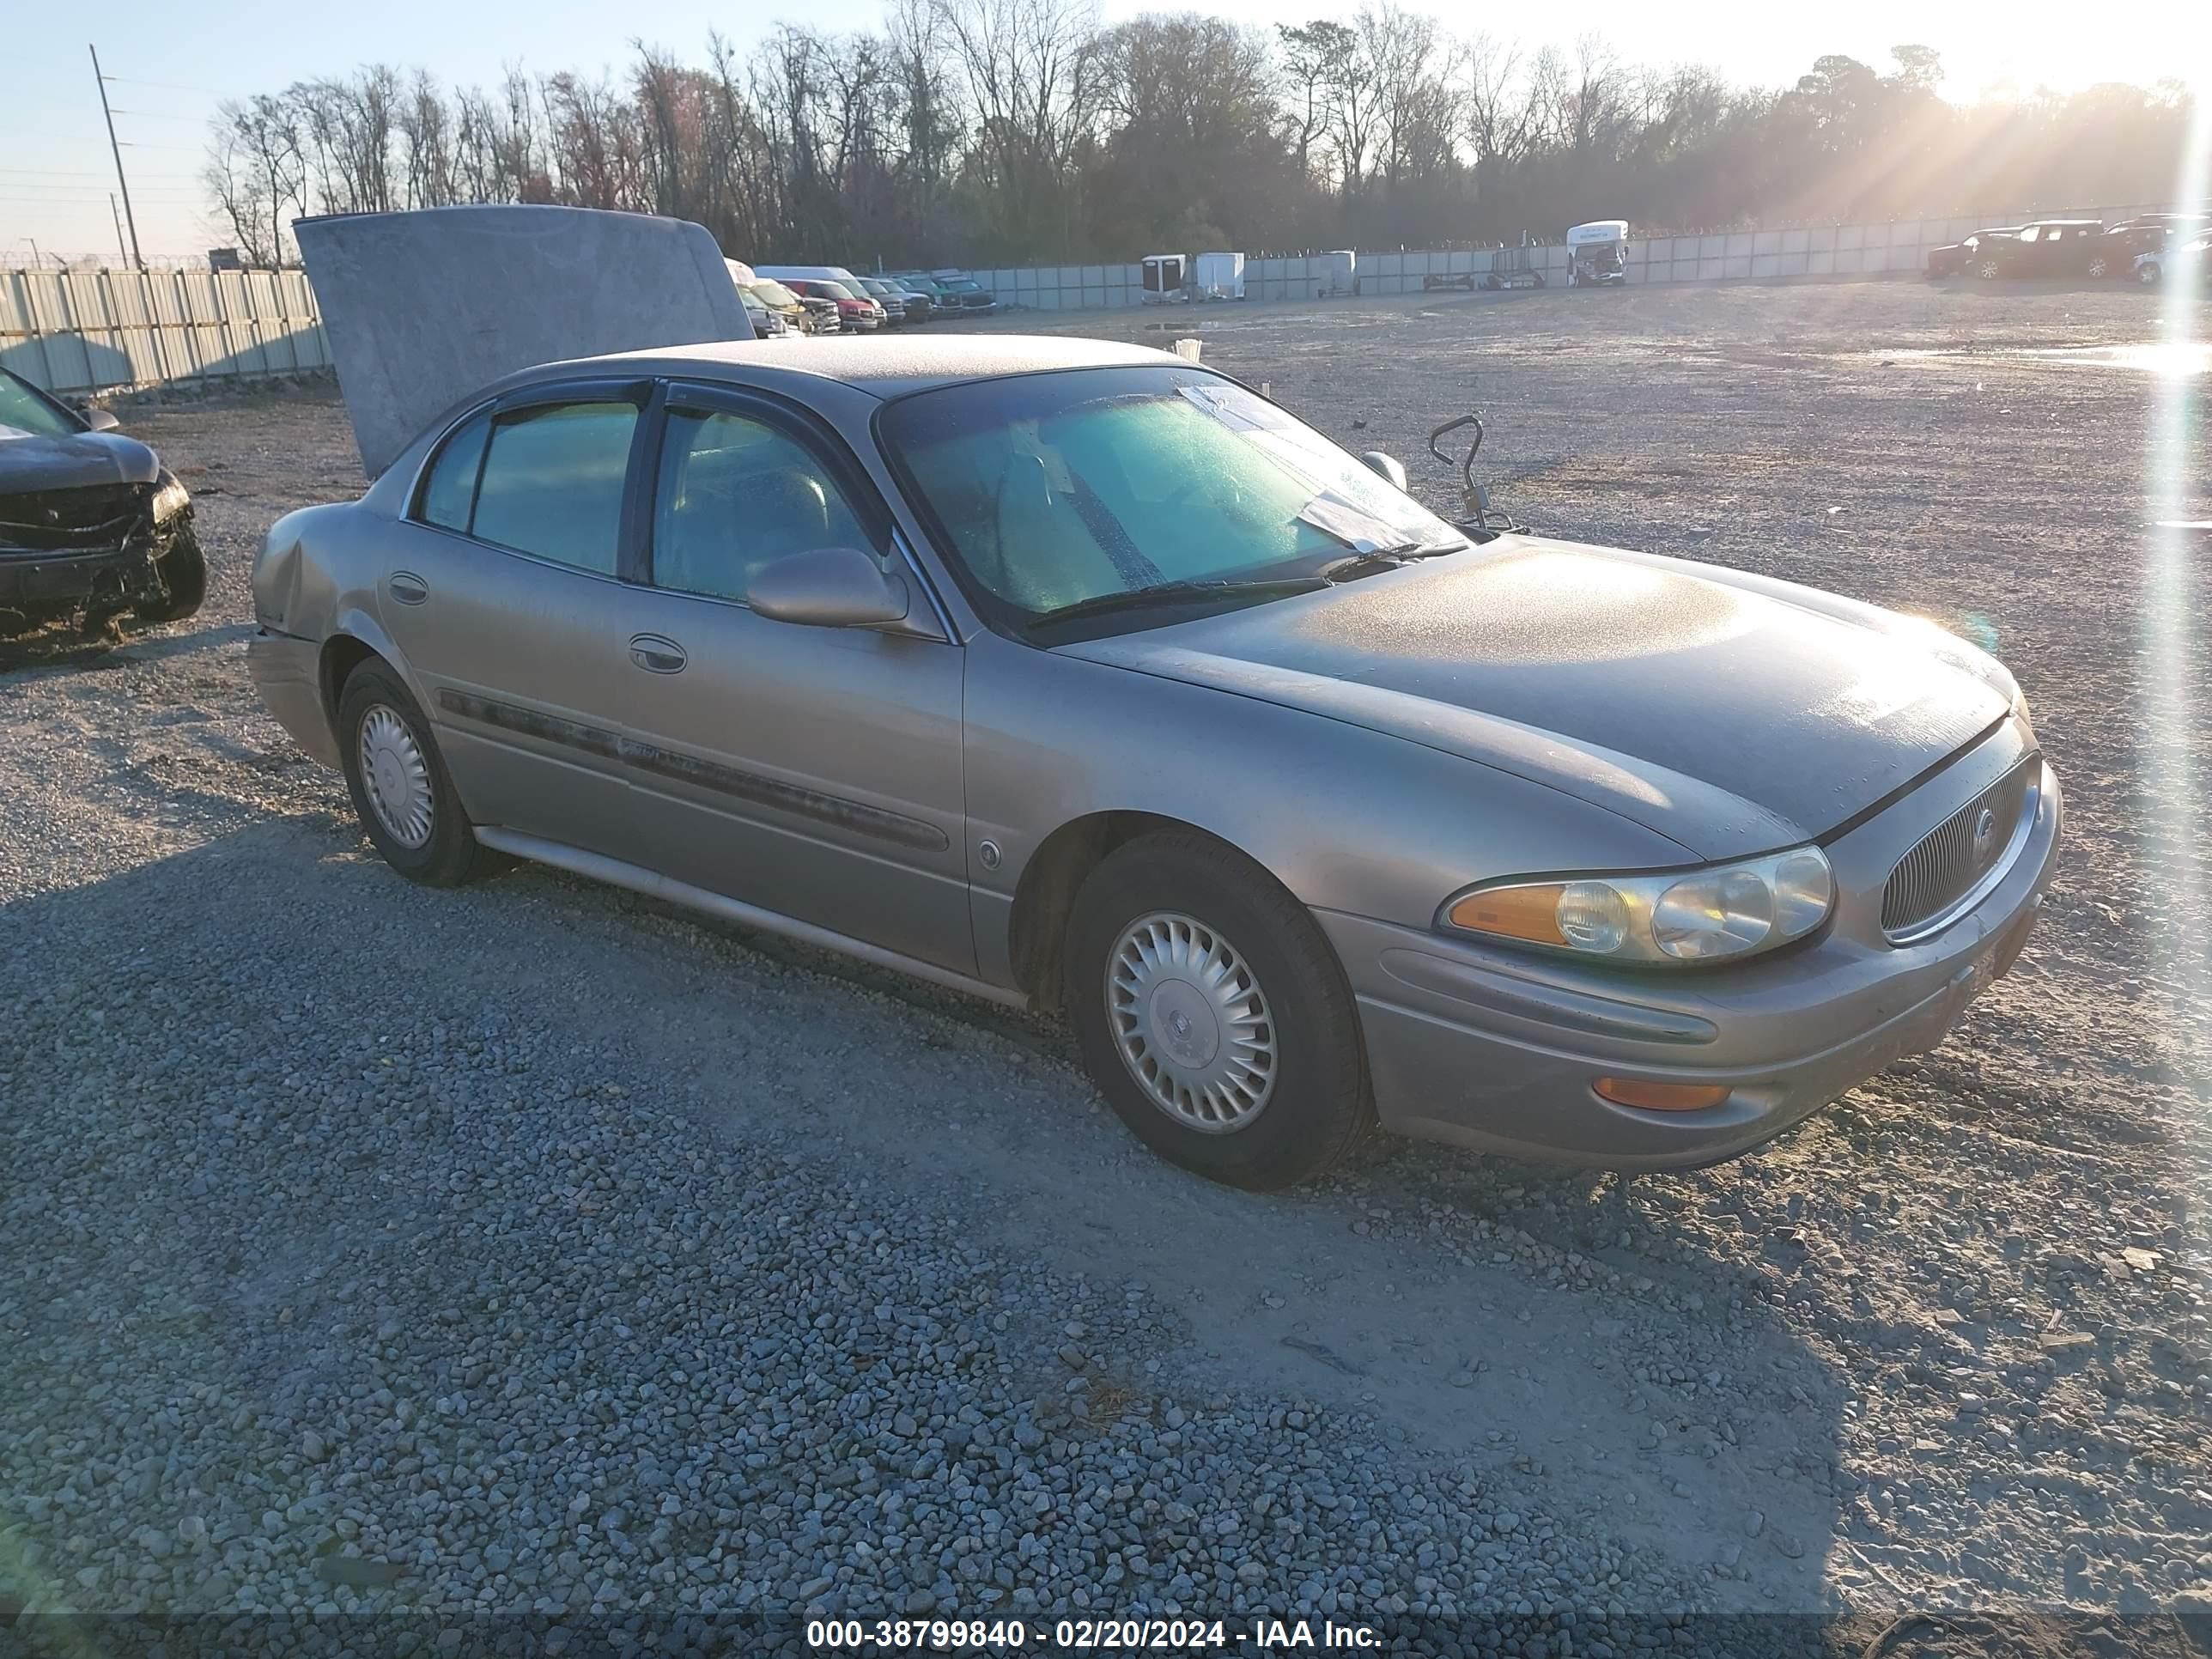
<point x="170" y="500"/>
<point x="1727" y="910"/>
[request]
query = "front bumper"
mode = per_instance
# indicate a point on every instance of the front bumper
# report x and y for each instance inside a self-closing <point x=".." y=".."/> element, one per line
<point x="1497" y="1049"/>
<point x="287" y="673"/>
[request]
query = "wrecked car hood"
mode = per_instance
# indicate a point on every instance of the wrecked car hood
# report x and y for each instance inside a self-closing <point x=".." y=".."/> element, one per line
<point x="32" y="460"/>
<point x="424" y="308"/>
<point x="1727" y="717"/>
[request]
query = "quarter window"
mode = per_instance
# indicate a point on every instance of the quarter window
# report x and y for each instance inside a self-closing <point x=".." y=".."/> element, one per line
<point x="449" y="494"/>
<point x="735" y="493"/>
<point x="553" y="483"/>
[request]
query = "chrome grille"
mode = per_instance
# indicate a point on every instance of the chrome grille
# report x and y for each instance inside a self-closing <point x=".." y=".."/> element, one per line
<point x="1956" y="863"/>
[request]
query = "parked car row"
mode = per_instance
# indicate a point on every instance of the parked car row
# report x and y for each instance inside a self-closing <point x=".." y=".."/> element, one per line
<point x="2071" y="247"/>
<point x="832" y="299"/>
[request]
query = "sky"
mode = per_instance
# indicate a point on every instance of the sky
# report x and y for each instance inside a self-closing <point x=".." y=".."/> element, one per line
<point x="169" y="65"/>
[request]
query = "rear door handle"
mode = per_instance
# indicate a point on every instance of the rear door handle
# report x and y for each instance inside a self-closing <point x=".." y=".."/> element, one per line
<point x="657" y="654"/>
<point x="407" y="587"/>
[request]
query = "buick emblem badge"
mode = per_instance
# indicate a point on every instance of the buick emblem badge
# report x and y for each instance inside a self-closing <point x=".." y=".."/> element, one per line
<point x="1985" y="832"/>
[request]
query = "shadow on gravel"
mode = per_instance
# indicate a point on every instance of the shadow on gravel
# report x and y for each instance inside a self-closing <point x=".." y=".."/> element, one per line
<point x="65" y="648"/>
<point x="1560" y="1344"/>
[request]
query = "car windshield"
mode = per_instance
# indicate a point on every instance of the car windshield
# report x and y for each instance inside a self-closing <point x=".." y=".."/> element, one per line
<point x="775" y="293"/>
<point x="25" y="411"/>
<point x="829" y="290"/>
<point x="1055" y="490"/>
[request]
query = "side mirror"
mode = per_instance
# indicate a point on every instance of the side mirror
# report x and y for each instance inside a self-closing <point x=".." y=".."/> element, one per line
<point x="100" y="421"/>
<point x="828" y="587"/>
<point x="1388" y="466"/>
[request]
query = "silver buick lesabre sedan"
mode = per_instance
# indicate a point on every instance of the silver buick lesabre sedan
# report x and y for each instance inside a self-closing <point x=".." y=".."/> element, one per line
<point x="1084" y="678"/>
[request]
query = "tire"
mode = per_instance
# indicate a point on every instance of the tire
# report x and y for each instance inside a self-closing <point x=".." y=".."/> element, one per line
<point x="2148" y="275"/>
<point x="183" y="571"/>
<point x="446" y="854"/>
<point x="2097" y="269"/>
<point x="1989" y="270"/>
<point x="1492" y="283"/>
<point x="1299" y="1099"/>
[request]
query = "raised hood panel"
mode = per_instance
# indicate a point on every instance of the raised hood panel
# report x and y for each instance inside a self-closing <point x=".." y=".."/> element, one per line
<point x="423" y="309"/>
<point x="1731" y="721"/>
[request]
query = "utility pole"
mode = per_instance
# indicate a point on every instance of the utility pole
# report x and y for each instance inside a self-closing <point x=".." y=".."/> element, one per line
<point x="118" y="217"/>
<point x="116" y="149"/>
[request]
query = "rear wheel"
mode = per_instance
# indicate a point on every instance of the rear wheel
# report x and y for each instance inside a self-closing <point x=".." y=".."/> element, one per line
<point x="2148" y="273"/>
<point x="1213" y="1016"/>
<point x="401" y="791"/>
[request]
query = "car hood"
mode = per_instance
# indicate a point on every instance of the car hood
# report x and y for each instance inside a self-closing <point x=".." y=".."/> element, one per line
<point x="35" y="461"/>
<point x="1731" y="713"/>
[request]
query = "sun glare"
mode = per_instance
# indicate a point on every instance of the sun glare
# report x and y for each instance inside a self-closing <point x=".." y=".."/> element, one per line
<point x="2174" y="472"/>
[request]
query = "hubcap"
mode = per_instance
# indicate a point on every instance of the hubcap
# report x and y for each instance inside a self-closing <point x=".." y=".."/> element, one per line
<point x="397" y="777"/>
<point x="1192" y="1022"/>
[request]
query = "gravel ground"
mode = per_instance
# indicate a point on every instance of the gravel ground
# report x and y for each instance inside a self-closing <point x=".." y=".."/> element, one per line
<point x="535" y="1249"/>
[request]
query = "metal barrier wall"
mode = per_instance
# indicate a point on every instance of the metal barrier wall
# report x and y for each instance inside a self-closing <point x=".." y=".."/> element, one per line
<point x="1829" y="250"/>
<point x="84" y="331"/>
<point x="79" y="332"/>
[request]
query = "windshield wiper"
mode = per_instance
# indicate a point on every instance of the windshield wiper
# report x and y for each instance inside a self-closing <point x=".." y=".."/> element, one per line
<point x="1139" y="598"/>
<point x="1386" y="558"/>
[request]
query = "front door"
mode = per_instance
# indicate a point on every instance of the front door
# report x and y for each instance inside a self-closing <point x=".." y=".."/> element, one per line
<point x="815" y="772"/>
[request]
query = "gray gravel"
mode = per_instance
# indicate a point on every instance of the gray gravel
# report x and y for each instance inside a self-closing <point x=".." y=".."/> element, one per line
<point x="535" y="1249"/>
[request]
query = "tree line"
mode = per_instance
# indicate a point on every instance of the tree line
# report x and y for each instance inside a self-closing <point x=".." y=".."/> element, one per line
<point x="1000" y="132"/>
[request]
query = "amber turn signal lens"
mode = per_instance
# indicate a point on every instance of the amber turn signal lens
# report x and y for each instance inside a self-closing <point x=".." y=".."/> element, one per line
<point x="1529" y="913"/>
<point x="1660" y="1096"/>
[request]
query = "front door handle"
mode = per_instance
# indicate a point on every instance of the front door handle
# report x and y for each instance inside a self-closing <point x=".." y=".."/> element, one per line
<point x="657" y="654"/>
<point x="408" y="588"/>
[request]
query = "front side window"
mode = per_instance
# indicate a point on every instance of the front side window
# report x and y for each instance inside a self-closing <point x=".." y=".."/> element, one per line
<point x="553" y="483"/>
<point x="735" y="494"/>
<point x="1054" y="489"/>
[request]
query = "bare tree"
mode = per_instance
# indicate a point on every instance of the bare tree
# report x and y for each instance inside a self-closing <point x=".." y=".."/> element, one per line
<point x="257" y="173"/>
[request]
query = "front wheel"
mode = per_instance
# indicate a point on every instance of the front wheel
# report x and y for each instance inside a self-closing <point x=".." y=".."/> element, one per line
<point x="1213" y="1016"/>
<point x="183" y="571"/>
<point x="1989" y="270"/>
<point x="401" y="791"/>
<point x="2097" y="268"/>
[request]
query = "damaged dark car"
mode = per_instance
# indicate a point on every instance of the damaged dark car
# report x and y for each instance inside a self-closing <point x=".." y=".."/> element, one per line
<point x="93" y="529"/>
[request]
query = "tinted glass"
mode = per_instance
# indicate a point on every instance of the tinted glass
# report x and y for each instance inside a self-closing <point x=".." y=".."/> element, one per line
<point x="1054" y="489"/>
<point x="450" y="490"/>
<point x="775" y="294"/>
<point x="25" y="410"/>
<point x="734" y="494"/>
<point x="832" y="290"/>
<point x="553" y="483"/>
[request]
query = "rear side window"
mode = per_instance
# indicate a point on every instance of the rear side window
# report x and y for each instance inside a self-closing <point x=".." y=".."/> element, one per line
<point x="553" y="483"/>
<point x="449" y="494"/>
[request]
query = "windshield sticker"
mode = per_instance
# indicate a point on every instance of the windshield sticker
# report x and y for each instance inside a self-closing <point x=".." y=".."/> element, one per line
<point x="1238" y="409"/>
<point x="1359" y="530"/>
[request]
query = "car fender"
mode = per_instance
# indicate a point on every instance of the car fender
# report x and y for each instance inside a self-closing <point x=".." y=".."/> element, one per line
<point x="1345" y="817"/>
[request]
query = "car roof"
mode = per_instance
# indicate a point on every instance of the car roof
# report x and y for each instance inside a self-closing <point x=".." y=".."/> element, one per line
<point x="884" y="368"/>
<point x="2034" y="222"/>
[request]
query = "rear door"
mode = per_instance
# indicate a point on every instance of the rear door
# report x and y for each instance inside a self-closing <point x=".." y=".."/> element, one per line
<point x="815" y="772"/>
<point x="501" y="593"/>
